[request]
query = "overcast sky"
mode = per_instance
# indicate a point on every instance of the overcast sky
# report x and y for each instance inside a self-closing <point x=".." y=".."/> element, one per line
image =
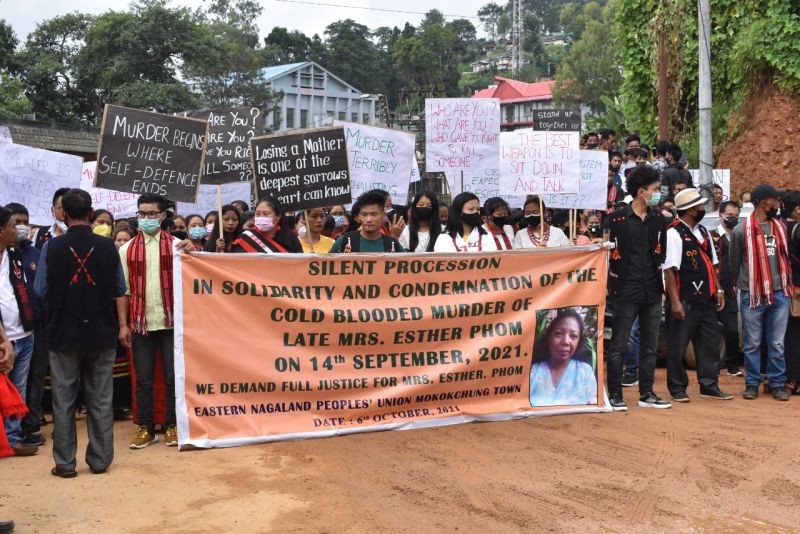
<point x="23" y="15"/>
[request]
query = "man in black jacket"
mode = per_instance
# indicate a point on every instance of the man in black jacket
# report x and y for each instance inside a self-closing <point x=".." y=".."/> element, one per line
<point x="674" y="173"/>
<point x="729" y="315"/>
<point x="634" y="285"/>
<point x="80" y="278"/>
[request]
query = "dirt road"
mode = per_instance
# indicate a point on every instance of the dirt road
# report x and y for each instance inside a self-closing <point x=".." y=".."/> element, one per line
<point x="707" y="466"/>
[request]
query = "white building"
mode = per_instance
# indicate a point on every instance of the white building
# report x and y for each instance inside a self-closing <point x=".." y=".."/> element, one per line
<point x="313" y="97"/>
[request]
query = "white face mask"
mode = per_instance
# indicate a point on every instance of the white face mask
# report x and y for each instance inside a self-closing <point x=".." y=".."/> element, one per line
<point x="22" y="232"/>
<point x="62" y="225"/>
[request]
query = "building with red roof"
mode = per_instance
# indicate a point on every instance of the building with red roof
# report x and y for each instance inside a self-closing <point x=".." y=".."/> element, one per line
<point x="518" y="100"/>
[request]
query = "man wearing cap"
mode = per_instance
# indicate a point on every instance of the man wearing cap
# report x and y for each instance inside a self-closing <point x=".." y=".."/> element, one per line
<point x="695" y="297"/>
<point x="759" y="259"/>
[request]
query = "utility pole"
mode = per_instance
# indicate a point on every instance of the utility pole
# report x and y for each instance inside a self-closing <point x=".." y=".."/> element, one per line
<point x="704" y="97"/>
<point x="663" y="88"/>
<point x="516" y="36"/>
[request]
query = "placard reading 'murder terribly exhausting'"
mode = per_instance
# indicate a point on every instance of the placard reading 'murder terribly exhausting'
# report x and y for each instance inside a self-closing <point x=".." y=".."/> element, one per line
<point x="303" y="170"/>
<point x="143" y="152"/>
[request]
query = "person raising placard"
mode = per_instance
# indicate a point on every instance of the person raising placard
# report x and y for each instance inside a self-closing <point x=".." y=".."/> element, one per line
<point x="538" y="233"/>
<point x="464" y="230"/>
<point x="268" y="235"/>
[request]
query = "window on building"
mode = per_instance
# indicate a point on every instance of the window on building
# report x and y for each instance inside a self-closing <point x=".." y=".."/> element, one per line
<point x="354" y="117"/>
<point x="290" y="117"/>
<point x="510" y="114"/>
<point x="365" y="118"/>
<point x="342" y="116"/>
<point x="276" y="120"/>
<point x="303" y="118"/>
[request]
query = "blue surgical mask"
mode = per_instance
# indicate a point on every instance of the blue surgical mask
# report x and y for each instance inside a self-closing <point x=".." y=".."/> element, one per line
<point x="338" y="221"/>
<point x="196" y="233"/>
<point x="149" y="226"/>
<point x="655" y="200"/>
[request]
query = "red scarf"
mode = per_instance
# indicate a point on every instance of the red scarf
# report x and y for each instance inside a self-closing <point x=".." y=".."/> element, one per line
<point x="755" y="247"/>
<point x="11" y="405"/>
<point x="254" y="241"/>
<point x="137" y="277"/>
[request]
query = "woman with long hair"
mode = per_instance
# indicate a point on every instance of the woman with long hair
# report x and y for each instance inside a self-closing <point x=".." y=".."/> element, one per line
<point x="312" y="239"/>
<point x="423" y="227"/>
<point x="196" y="231"/>
<point x="538" y="233"/>
<point x="231" y="228"/>
<point x="269" y="235"/>
<point x="465" y="232"/>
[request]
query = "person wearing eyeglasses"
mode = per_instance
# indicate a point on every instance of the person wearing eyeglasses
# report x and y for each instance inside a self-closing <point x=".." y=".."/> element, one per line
<point x="147" y="266"/>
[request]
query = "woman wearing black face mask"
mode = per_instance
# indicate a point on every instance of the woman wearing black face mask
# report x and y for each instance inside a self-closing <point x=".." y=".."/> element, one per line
<point x="464" y="230"/>
<point x="538" y="233"/>
<point x="593" y="232"/>
<point x="423" y="226"/>
<point x="495" y="217"/>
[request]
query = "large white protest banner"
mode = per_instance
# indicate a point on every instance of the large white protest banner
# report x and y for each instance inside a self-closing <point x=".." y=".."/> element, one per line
<point x="120" y="205"/>
<point x="593" y="185"/>
<point x="539" y="163"/>
<point x="461" y="133"/>
<point x="379" y="158"/>
<point x="207" y="197"/>
<point x="30" y="176"/>
<point x="721" y="177"/>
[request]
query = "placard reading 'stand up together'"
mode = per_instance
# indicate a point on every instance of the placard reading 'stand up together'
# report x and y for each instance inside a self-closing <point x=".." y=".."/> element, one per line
<point x="143" y="152"/>
<point x="303" y="170"/>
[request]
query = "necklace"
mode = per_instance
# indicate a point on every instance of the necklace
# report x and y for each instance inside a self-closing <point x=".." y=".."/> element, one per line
<point x="540" y="241"/>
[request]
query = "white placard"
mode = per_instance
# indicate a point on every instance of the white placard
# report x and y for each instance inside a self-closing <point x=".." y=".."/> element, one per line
<point x="461" y="134"/>
<point x="31" y="176"/>
<point x="415" y="176"/>
<point x="207" y="197"/>
<point x="539" y="162"/>
<point x="593" y="192"/>
<point x="5" y="135"/>
<point x="721" y="177"/>
<point x="379" y="158"/>
<point x="121" y="205"/>
<point x="485" y="184"/>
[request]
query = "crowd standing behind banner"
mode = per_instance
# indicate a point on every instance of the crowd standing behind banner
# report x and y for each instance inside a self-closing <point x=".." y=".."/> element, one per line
<point x="748" y="267"/>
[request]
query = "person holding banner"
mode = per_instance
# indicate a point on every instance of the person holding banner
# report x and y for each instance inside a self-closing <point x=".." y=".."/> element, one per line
<point x="196" y="231"/>
<point x="538" y="233"/>
<point x="231" y="229"/>
<point x="369" y="210"/>
<point x="635" y="285"/>
<point x="558" y="376"/>
<point x="147" y="266"/>
<point x="268" y="236"/>
<point x="465" y="232"/>
<point x="423" y="225"/>
<point x="495" y="217"/>
<point x="102" y="223"/>
<point x="42" y="236"/>
<point x="313" y="242"/>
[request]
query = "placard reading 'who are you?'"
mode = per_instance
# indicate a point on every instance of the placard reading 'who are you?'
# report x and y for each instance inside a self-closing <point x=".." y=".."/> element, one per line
<point x="461" y="133"/>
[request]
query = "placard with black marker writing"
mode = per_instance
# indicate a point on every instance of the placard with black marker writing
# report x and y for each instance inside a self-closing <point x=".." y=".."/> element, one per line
<point x="557" y="120"/>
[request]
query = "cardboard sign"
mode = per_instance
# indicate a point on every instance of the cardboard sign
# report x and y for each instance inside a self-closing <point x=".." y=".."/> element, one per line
<point x="721" y="177"/>
<point x="593" y="186"/>
<point x="120" y="205"/>
<point x="557" y="120"/>
<point x="143" y="152"/>
<point x="228" y="147"/>
<point x="461" y="133"/>
<point x="351" y="344"/>
<point x="539" y="163"/>
<point x="379" y="158"/>
<point x="30" y="176"/>
<point x="207" y="197"/>
<point x="303" y="170"/>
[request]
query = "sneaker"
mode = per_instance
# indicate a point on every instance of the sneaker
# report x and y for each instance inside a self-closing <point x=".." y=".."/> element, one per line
<point x="143" y="438"/>
<point x="715" y="393"/>
<point x="750" y="392"/>
<point x="651" y="400"/>
<point x="780" y="393"/>
<point x="35" y="439"/>
<point x="20" y="449"/>
<point x="735" y="371"/>
<point x="628" y="381"/>
<point x="617" y="404"/>
<point x="679" y="396"/>
<point x="171" y="436"/>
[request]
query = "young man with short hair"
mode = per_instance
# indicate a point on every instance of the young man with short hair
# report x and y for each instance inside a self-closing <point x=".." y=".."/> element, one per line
<point x="368" y="238"/>
<point x="695" y="297"/>
<point x="634" y="285"/>
<point x="674" y="173"/>
<point x="58" y="228"/>
<point x="608" y="139"/>
<point x="759" y="261"/>
<point x="729" y="315"/>
<point x="80" y="278"/>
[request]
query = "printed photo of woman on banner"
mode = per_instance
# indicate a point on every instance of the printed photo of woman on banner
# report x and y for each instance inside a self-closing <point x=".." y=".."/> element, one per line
<point x="564" y="370"/>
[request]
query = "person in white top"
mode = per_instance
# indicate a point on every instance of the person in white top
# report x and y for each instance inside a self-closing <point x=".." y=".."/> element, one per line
<point x="495" y="216"/>
<point x="538" y="233"/>
<point x="464" y="230"/>
<point x="423" y="223"/>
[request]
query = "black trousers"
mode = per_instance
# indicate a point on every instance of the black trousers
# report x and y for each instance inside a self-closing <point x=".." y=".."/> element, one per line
<point x="35" y="388"/>
<point x="700" y="327"/>
<point x="144" y="361"/>
<point x="625" y="313"/>
<point x="729" y="318"/>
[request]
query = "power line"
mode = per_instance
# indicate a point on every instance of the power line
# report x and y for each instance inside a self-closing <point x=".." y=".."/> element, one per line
<point x="371" y="8"/>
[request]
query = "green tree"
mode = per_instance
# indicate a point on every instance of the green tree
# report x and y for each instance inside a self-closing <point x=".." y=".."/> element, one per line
<point x="13" y="102"/>
<point x="283" y="46"/>
<point x="429" y="60"/>
<point x="489" y="15"/>
<point x="352" y="56"/>
<point x="8" y="48"/>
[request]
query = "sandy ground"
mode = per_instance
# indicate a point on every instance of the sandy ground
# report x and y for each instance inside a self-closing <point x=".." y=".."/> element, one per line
<point x="706" y="466"/>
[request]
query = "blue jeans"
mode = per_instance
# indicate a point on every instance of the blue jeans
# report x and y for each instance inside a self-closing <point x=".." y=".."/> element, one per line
<point x="776" y="317"/>
<point x="23" y="350"/>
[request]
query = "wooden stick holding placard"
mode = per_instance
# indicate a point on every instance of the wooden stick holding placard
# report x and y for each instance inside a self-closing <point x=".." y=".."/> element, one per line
<point x="541" y="220"/>
<point x="462" y="181"/>
<point x="219" y="210"/>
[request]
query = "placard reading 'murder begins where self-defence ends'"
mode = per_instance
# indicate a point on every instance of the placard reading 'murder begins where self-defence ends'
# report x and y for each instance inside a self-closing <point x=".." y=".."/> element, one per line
<point x="142" y="152"/>
<point x="303" y="170"/>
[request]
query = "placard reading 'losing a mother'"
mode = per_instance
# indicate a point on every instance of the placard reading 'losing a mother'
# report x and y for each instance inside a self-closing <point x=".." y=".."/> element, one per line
<point x="303" y="170"/>
<point x="142" y="152"/>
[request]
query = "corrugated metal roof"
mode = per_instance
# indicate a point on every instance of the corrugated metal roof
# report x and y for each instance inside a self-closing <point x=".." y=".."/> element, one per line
<point x="271" y="73"/>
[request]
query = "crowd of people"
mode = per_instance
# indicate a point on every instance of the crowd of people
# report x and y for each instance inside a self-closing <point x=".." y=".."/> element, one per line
<point x="88" y="301"/>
